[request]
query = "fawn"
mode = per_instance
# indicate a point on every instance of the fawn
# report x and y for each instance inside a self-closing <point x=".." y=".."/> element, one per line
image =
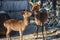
<point x="17" y="25"/>
<point x="40" y="15"/>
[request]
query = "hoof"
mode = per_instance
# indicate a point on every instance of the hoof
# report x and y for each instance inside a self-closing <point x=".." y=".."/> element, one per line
<point x="37" y="38"/>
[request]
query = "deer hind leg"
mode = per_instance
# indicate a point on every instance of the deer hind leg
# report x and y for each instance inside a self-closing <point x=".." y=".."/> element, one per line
<point x="36" y="32"/>
<point x="44" y="31"/>
<point x="21" y="35"/>
<point x="7" y="34"/>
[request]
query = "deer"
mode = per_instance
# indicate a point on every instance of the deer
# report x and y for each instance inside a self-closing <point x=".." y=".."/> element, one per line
<point x="40" y="16"/>
<point x="17" y="25"/>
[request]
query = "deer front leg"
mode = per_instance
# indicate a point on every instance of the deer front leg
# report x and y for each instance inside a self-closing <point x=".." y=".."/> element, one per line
<point x="21" y="35"/>
<point x="44" y="31"/>
<point x="7" y="35"/>
<point x="36" y="32"/>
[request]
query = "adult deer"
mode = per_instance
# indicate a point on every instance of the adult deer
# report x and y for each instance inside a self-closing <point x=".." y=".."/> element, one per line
<point x="40" y="15"/>
<point x="17" y="25"/>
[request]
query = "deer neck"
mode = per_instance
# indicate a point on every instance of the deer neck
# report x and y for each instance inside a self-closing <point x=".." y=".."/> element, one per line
<point x="35" y="13"/>
<point x="26" y="21"/>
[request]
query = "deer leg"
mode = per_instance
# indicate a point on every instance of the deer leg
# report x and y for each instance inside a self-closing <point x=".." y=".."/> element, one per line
<point x="43" y="33"/>
<point x="21" y="35"/>
<point x="7" y="35"/>
<point x="36" y="32"/>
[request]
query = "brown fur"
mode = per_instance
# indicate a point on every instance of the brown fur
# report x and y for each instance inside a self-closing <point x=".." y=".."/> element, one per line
<point x="15" y="25"/>
<point x="40" y="17"/>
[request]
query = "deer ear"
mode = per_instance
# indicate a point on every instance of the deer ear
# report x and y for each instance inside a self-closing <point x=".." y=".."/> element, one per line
<point x="38" y="2"/>
<point x="31" y="3"/>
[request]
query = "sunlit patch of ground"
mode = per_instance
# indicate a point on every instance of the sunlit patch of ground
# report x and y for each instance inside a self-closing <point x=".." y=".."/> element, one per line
<point x="51" y="36"/>
<point x="29" y="34"/>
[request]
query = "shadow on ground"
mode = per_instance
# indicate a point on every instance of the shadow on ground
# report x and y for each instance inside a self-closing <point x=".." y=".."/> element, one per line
<point x="30" y="30"/>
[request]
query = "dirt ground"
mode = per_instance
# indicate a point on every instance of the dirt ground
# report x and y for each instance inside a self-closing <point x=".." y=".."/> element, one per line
<point x="50" y="36"/>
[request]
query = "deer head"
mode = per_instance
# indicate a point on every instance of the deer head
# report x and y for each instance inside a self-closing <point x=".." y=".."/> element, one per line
<point x="35" y="5"/>
<point x="26" y="13"/>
